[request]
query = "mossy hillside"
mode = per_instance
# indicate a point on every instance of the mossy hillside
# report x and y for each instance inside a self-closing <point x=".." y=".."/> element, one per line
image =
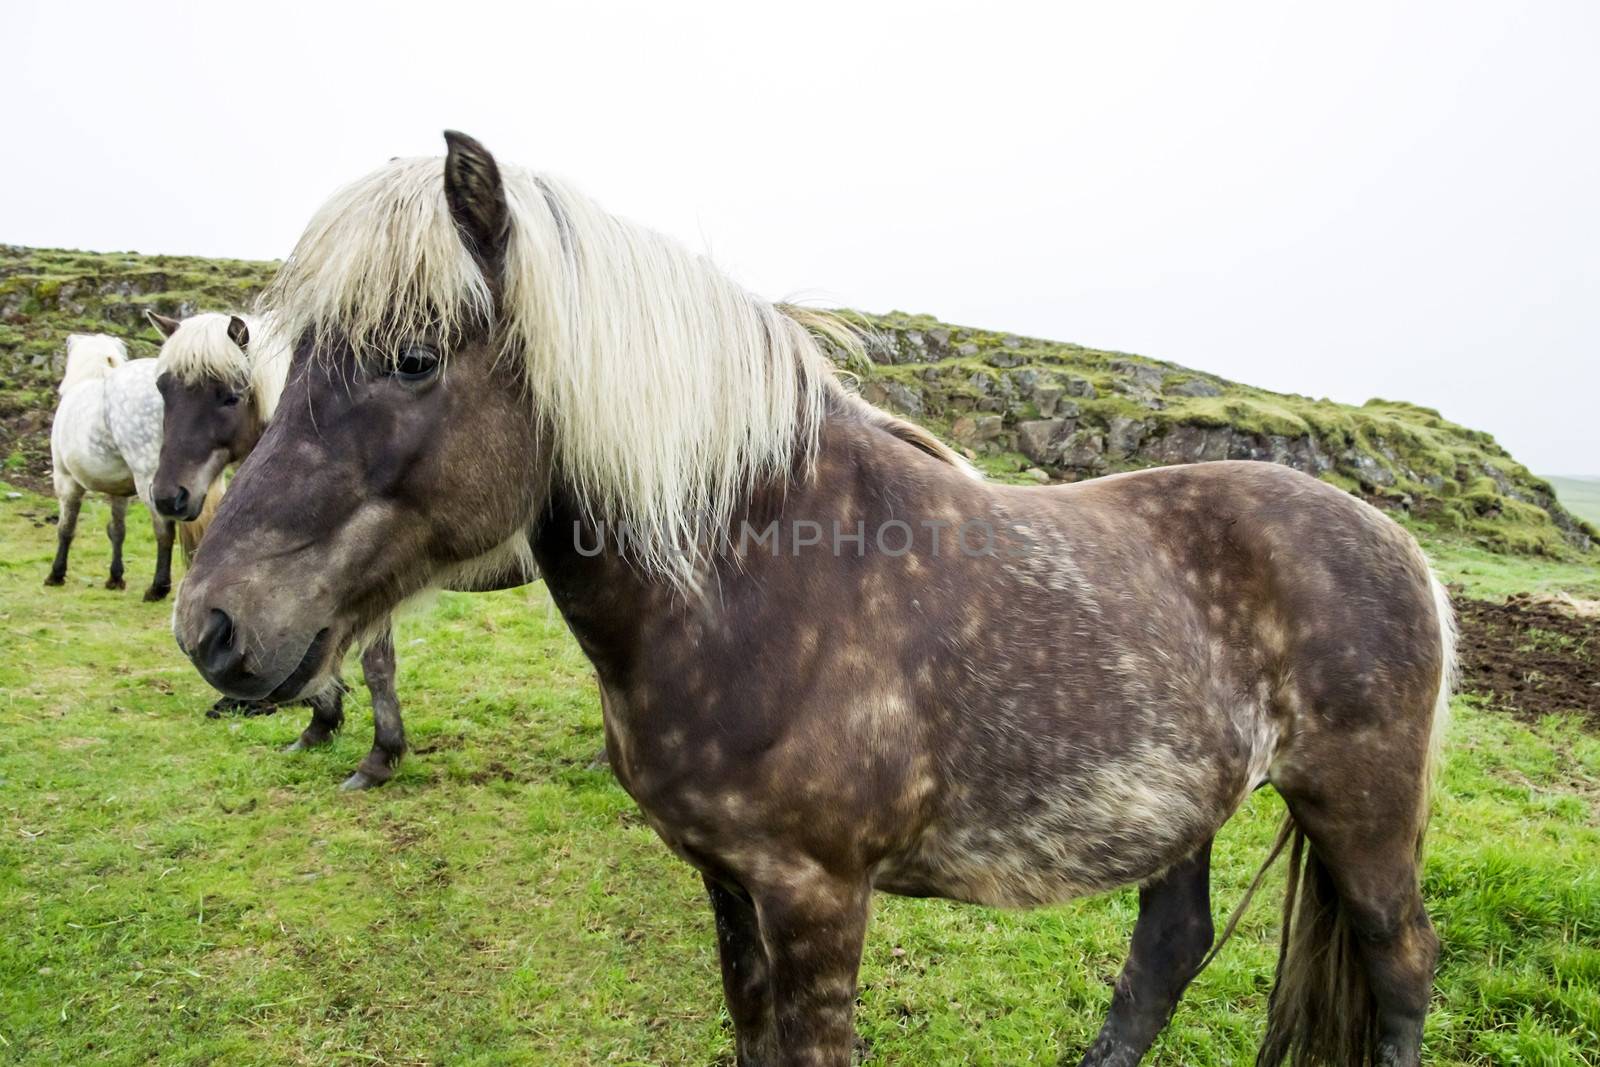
<point x="46" y="294"/>
<point x="1022" y="405"/>
<point x="1018" y="404"/>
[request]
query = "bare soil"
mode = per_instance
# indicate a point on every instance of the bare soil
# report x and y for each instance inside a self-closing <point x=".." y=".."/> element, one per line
<point x="1531" y="657"/>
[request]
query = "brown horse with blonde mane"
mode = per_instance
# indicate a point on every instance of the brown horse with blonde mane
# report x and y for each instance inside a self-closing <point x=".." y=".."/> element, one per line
<point x="832" y="660"/>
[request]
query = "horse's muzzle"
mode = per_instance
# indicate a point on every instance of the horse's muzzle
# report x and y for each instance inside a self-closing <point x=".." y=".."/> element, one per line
<point x="220" y="654"/>
<point x="180" y="504"/>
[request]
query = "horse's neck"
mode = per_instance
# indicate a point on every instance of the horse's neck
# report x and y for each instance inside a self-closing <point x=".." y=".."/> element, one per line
<point x="859" y="475"/>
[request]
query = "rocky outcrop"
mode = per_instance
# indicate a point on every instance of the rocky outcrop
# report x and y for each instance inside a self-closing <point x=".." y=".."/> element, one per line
<point x="1024" y="406"/>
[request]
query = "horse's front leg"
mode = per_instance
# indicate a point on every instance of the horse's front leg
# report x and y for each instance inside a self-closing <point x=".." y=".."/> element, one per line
<point x="161" y="584"/>
<point x="116" y="530"/>
<point x="746" y="976"/>
<point x="813" y="924"/>
<point x="388" y="732"/>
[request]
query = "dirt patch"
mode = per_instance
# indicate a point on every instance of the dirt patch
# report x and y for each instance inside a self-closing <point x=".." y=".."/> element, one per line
<point x="1531" y="656"/>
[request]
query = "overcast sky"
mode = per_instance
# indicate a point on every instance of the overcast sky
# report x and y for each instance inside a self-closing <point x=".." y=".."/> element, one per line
<point x="1350" y="200"/>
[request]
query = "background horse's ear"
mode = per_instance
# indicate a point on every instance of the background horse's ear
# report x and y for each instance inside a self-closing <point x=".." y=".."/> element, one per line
<point x="238" y="332"/>
<point x="476" y="197"/>
<point x="164" y="326"/>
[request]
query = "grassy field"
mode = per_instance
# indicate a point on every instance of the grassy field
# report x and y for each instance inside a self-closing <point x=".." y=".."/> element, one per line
<point x="174" y="888"/>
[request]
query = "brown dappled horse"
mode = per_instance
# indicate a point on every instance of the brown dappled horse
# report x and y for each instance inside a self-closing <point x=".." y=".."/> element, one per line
<point x="830" y="659"/>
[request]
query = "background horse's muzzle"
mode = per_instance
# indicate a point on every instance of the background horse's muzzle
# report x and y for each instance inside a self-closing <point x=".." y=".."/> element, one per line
<point x="179" y="504"/>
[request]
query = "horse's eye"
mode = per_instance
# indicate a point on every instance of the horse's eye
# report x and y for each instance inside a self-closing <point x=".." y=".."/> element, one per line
<point x="230" y="400"/>
<point x="416" y="364"/>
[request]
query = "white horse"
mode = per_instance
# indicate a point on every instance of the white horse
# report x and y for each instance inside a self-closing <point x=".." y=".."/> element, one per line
<point x="106" y="438"/>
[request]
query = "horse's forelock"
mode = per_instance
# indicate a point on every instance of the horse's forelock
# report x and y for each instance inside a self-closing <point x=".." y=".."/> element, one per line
<point x="200" y="350"/>
<point x="381" y="263"/>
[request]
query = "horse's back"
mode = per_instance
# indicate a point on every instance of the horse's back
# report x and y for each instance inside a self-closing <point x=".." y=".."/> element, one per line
<point x="134" y="411"/>
<point x="82" y="448"/>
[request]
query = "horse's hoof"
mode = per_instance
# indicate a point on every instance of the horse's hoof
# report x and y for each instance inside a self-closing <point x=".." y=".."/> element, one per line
<point x="55" y="579"/>
<point x="298" y="746"/>
<point x="116" y="583"/>
<point x="360" y="780"/>
<point x="153" y="594"/>
<point x="601" y="761"/>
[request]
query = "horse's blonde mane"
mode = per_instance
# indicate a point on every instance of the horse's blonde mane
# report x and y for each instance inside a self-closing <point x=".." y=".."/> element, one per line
<point x="668" y="392"/>
<point x="91" y="356"/>
<point x="201" y="350"/>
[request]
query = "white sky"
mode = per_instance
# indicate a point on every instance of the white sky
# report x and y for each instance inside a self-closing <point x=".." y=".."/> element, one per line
<point x="1348" y="200"/>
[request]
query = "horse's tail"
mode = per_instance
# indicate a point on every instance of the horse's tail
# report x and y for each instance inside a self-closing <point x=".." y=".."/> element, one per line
<point x="91" y="356"/>
<point x="1446" y="618"/>
<point x="1321" y="1007"/>
<point x="190" y="533"/>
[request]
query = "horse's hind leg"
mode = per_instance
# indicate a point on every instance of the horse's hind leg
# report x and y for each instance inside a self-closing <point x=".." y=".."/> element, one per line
<point x="1170" y="941"/>
<point x="116" y="530"/>
<point x="69" y="495"/>
<point x="1361" y="911"/>
<point x="161" y="584"/>
<point x="388" y="732"/>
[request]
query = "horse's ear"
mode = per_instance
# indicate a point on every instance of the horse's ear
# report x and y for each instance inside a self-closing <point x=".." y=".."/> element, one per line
<point x="238" y="332"/>
<point x="476" y="197"/>
<point x="164" y="326"/>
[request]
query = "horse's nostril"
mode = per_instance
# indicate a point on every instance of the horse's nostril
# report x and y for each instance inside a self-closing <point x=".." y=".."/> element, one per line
<point x="175" y="505"/>
<point x="217" y="652"/>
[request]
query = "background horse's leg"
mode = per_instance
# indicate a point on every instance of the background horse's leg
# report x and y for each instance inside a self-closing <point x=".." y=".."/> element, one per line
<point x="116" y="529"/>
<point x="813" y="925"/>
<point x="388" y="732"/>
<point x="69" y="495"/>
<point x="327" y="716"/>
<point x="161" y="584"/>
<point x="746" y="977"/>
<point x="1170" y="941"/>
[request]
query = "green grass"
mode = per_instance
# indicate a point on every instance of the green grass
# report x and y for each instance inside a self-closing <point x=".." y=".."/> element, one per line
<point x="176" y="889"/>
<point x="1495" y="575"/>
<point x="1580" y="495"/>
